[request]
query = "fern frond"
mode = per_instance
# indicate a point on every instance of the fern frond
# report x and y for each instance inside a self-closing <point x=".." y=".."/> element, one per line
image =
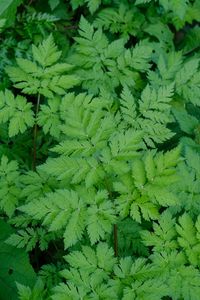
<point x="142" y="2"/>
<point x="167" y="67"/>
<point x="124" y="19"/>
<point x="36" y="184"/>
<point x="124" y="145"/>
<point x="37" y="292"/>
<point x="43" y="74"/>
<point x="92" y="5"/>
<point x="101" y="217"/>
<point x="129" y="239"/>
<point x="186" y="121"/>
<point x="164" y="235"/>
<point x="139" y="57"/>
<point x="187" y="239"/>
<point x="90" y="260"/>
<point x="187" y="81"/>
<point x="48" y="117"/>
<point x="128" y="107"/>
<point x="39" y="16"/>
<point x="150" y="114"/>
<point x="85" y="122"/>
<point x="46" y="54"/>
<point x="188" y="187"/>
<point x="10" y="186"/>
<point x="29" y="237"/>
<point x="88" y="274"/>
<point x="152" y="289"/>
<point x="17" y="111"/>
<point x="74" y="170"/>
<point x="149" y="187"/>
<point x="65" y="210"/>
<point x="59" y="211"/>
<point x="49" y="274"/>
<point x="105" y="62"/>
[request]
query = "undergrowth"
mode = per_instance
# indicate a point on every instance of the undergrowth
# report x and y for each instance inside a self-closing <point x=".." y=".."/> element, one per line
<point x="100" y="150"/>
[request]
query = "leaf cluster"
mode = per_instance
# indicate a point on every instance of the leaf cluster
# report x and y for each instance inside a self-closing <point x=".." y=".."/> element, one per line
<point x="100" y="149"/>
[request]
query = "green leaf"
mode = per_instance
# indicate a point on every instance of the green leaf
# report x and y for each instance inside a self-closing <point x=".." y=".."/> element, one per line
<point x="150" y="289"/>
<point x="142" y="2"/>
<point x="38" y="292"/>
<point x="187" y="122"/>
<point x="2" y="24"/>
<point x="48" y="117"/>
<point x="8" y="10"/>
<point x="62" y="210"/>
<point x="29" y="237"/>
<point x="124" y="145"/>
<point x="10" y="185"/>
<point x="90" y="260"/>
<point x="150" y="114"/>
<point x="101" y="217"/>
<point x="53" y="3"/>
<point x="138" y="173"/>
<point x="187" y="81"/>
<point x="17" y="111"/>
<point x="187" y="238"/>
<point x="15" y="266"/>
<point x="93" y="5"/>
<point x="42" y="73"/>
<point x="139" y="57"/>
<point x="163" y="236"/>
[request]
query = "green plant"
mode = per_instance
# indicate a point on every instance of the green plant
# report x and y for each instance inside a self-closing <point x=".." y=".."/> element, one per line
<point x="100" y="140"/>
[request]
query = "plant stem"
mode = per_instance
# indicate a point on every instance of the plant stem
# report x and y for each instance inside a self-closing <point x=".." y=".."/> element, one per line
<point x="115" y="240"/>
<point x="71" y="27"/>
<point x="35" y="134"/>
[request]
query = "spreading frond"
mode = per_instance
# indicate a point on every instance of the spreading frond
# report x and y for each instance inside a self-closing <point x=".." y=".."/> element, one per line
<point x="149" y="187"/>
<point x="150" y="114"/>
<point x="43" y="74"/>
<point x="17" y="112"/>
<point x="10" y="186"/>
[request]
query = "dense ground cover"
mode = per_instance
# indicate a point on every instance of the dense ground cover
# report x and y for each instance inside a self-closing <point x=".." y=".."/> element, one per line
<point x="100" y="149"/>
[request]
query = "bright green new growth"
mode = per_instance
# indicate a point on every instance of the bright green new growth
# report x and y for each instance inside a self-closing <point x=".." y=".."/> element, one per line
<point x="17" y="112"/>
<point x="43" y="74"/>
<point x="104" y="65"/>
<point x="66" y="211"/>
<point x="100" y="161"/>
<point x="151" y="115"/>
